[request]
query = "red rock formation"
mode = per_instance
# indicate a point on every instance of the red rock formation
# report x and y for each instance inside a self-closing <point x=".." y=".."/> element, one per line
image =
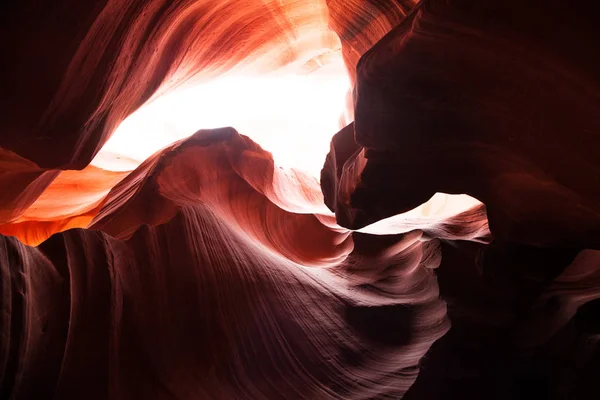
<point x="209" y="272"/>
<point x="505" y="110"/>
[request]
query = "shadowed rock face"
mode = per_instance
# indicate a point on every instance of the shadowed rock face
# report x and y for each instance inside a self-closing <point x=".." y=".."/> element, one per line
<point x="208" y="272"/>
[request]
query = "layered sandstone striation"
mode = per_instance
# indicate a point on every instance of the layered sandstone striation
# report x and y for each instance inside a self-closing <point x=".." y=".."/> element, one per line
<point x="207" y="270"/>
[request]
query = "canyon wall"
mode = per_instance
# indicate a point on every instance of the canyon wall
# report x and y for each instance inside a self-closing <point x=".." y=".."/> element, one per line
<point x="450" y="250"/>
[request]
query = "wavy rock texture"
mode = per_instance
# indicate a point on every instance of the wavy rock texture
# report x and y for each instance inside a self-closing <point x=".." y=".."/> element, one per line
<point x="208" y="272"/>
<point x="510" y="119"/>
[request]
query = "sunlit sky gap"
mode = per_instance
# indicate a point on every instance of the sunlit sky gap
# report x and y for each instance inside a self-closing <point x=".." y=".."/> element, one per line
<point x="292" y="115"/>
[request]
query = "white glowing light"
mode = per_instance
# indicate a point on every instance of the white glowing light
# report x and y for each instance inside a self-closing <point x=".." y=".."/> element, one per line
<point x="293" y="116"/>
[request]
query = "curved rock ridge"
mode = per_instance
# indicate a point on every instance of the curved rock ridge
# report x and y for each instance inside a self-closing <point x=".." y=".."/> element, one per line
<point x="122" y="54"/>
<point x="55" y="211"/>
<point x="220" y="161"/>
<point x="224" y="307"/>
<point x="361" y="23"/>
<point x="238" y="180"/>
<point x="245" y="226"/>
<point x="208" y="272"/>
<point x="510" y="119"/>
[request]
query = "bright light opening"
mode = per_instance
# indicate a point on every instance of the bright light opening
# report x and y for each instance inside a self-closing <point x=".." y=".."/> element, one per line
<point x="292" y="115"/>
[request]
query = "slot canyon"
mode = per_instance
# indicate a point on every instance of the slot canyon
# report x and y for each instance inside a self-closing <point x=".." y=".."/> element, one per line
<point x="300" y="199"/>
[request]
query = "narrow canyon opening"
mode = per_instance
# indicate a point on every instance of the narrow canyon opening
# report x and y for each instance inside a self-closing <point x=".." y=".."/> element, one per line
<point x="290" y="108"/>
<point x="290" y="112"/>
